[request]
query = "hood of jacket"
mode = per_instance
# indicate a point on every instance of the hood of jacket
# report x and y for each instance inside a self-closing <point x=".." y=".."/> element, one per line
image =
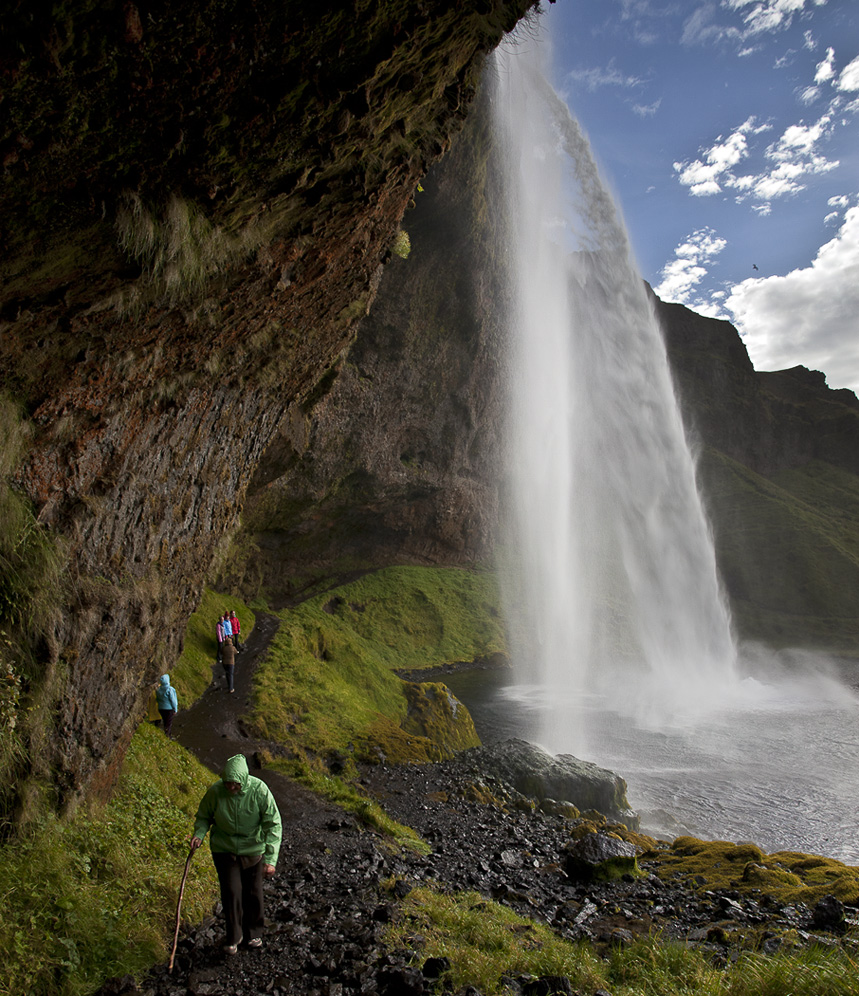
<point x="236" y="770"/>
<point x="165" y="680"/>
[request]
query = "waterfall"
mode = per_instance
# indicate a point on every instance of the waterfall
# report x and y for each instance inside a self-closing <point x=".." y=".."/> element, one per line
<point x="616" y="597"/>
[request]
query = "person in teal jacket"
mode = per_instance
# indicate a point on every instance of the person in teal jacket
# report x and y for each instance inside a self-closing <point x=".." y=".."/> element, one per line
<point x="168" y="703"/>
<point x="246" y="830"/>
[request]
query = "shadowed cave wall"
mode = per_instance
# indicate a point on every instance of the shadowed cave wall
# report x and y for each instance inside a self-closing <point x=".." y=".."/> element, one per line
<point x="197" y="203"/>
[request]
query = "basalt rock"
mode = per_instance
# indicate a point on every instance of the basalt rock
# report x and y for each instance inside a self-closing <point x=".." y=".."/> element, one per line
<point x="599" y="857"/>
<point x="535" y="773"/>
<point x="397" y="461"/>
<point x="197" y="204"/>
<point x="778" y="471"/>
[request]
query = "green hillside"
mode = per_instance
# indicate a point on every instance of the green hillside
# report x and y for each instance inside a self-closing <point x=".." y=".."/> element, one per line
<point x="788" y="550"/>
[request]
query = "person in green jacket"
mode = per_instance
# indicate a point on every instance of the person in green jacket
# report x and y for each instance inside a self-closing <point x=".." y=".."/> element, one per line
<point x="246" y="830"/>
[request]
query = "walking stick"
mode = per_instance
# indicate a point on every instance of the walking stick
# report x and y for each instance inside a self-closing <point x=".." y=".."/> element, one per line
<point x="179" y="908"/>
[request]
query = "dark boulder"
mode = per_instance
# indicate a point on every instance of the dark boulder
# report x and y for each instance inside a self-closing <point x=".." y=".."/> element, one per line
<point x="599" y="857"/>
<point x="535" y="773"/>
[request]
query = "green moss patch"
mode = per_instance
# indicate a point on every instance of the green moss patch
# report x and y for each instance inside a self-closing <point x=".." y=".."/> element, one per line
<point x="328" y="683"/>
<point x="418" y="617"/>
<point x="789" y="876"/>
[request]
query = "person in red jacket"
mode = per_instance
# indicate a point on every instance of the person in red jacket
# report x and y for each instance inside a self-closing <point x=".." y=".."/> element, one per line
<point x="237" y="628"/>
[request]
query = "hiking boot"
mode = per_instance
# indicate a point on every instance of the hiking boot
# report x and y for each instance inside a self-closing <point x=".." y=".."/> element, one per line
<point x="255" y="942"/>
<point x="231" y="949"/>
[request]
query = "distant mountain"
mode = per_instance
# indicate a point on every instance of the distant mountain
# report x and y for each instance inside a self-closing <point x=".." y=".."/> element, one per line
<point x="779" y="470"/>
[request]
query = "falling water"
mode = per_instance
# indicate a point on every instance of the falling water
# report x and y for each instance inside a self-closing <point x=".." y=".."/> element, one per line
<point x="618" y="596"/>
<point x="622" y="641"/>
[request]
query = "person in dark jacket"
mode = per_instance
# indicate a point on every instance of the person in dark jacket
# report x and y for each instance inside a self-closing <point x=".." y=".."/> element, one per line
<point x="228" y="660"/>
<point x="245" y="840"/>
<point x="168" y="702"/>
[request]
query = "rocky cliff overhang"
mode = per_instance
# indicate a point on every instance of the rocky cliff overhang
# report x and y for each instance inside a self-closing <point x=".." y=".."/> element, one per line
<point x="196" y="205"/>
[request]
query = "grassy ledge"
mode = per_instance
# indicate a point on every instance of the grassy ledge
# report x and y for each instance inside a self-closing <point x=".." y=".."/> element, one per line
<point x="328" y="687"/>
<point x="486" y="942"/>
<point x="94" y="896"/>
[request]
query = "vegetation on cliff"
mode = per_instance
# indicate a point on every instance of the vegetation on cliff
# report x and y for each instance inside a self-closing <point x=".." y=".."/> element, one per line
<point x="787" y="545"/>
<point x="328" y="684"/>
<point x="92" y="896"/>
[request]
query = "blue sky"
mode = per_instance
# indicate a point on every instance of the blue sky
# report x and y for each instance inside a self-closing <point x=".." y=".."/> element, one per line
<point x="729" y="133"/>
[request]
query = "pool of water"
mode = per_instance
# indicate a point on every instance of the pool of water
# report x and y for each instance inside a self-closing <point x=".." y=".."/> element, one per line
<point x="781" y="771"/>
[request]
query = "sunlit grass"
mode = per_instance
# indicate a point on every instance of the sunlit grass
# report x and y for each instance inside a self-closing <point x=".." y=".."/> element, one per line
<point x="328" y="682"/>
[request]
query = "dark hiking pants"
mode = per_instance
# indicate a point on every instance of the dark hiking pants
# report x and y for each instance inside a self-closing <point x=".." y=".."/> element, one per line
<point x="241" y="895"/>
<point x="167" y="720"/>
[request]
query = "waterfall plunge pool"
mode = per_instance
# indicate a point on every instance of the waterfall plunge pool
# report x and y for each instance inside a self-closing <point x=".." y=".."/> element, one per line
<point x="781" y="770"/>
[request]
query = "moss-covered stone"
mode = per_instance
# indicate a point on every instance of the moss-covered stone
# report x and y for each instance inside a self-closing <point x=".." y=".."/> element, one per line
<point x="789" y="876"/>
<point x="436" y="713"/>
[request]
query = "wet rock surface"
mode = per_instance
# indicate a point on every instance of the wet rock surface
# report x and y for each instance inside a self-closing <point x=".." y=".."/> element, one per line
<point x="338" y="885"/>
<point x="332" y="901"/>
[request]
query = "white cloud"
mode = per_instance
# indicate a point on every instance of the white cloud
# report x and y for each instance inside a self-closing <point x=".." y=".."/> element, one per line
<point x="849" y="78"/>
<point x="757" y="17"/>
<point x="648" y="110"/>
<point x="826" y="69"/>
<point x="808" y="317"/>
<point x="769" y="15"/>
<point x="681" y="276"/>
<point x="702" y="177"/>
<point x="793" y="158"/>
<point x="610" y="75"/>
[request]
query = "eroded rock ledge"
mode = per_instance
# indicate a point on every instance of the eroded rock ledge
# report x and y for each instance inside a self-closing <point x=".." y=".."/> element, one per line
<point x="197" y="202"/>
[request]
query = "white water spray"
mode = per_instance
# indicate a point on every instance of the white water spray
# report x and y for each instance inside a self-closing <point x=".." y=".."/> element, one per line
<point x="618" y="597"/>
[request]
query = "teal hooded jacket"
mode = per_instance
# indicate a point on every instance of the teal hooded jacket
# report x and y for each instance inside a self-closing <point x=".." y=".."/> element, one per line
<point x="247" y="823"/>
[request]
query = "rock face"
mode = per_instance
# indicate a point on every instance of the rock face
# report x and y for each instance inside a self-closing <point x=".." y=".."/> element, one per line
<point x="779" y="471"/>
<point x="765" y="421"/>
<point x="398" y="461"/>
<point x="536" y="774"/>
<point x="197" y="203"/>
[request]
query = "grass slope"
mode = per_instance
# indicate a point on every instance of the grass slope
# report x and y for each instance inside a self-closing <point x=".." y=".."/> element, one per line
<point x="788" y="550"/>
<point x="94" y="896"/>
<point x="486" y="943"/>
<point x="328" y="684"/>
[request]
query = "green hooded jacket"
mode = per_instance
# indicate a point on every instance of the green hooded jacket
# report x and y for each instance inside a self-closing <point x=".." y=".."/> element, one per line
<point x="247" y="823"/>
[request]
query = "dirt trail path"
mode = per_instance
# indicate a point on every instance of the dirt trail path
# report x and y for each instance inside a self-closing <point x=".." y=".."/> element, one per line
<point x="214" y="729"/>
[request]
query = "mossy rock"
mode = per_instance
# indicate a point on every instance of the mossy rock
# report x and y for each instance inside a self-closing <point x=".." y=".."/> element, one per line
<point x="789" y="876"/>
<point x="600" y="857"/>
<point x="436" y="713"/>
